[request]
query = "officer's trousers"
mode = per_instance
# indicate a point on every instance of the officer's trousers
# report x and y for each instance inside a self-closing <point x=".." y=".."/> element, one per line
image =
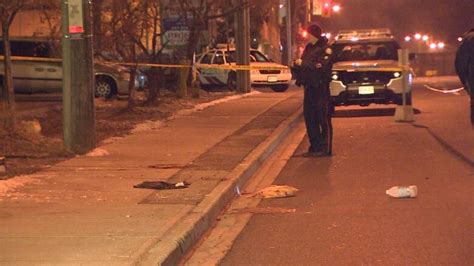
<point x="472" y="107"/>
<point x="317" y="111"/>
<point x="470" y="90"/>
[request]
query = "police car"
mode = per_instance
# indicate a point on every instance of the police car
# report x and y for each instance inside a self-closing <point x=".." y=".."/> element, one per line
<point x="366" y="69"/>
<point x="214" y="69"/>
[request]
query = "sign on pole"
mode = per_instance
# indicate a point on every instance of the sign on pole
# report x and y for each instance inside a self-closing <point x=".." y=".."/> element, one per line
<point x="75" y="17"/>
<point x="176" y="31"/>
<point x="317" y="7"/>
<point x="174" y="23"/>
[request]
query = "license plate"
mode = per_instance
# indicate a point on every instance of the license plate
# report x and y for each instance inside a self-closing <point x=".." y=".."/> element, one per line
<point x="272" y="79"/>
<point x="366" y="90"/>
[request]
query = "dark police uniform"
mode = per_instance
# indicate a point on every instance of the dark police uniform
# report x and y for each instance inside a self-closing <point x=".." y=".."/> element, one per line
<point x="314" y="74"/>
<point x="465" y="66"/>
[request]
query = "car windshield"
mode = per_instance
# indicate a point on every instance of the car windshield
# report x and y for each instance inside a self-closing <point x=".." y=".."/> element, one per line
<point x="366" y="51"/>
<point x="255" y="56"/>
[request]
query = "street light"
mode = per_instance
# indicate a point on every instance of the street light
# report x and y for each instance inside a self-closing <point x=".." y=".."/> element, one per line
<point x="336" y="8"/>
<point x="417" y="36"/>
<point x="425" y="38"/>
<point x="407" y="38"/>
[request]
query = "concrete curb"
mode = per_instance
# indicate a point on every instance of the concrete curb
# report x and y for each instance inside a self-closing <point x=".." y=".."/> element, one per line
<point x="179" y="239"/>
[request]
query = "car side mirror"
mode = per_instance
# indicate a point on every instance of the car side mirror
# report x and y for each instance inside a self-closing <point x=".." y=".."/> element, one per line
<point x="412" y="56"/>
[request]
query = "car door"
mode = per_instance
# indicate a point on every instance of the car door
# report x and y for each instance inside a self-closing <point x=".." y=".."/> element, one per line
<point x="220" y="73"/>
<point x="27" y="74"/>
<point x="203" y="68"/>
<point x="52" y="67"/>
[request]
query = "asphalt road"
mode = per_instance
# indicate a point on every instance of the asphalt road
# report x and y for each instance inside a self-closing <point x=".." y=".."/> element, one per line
<point x="343" y="216"/>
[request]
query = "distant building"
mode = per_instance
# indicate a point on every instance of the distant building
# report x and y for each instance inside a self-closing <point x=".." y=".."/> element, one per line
<point x="35" y="23"/>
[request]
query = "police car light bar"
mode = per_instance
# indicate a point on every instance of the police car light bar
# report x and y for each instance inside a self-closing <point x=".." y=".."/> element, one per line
<point x="364" y="34"/>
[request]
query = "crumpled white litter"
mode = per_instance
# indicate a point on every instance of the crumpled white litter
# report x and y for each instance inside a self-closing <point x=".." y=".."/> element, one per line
<point x="275" y="191"/>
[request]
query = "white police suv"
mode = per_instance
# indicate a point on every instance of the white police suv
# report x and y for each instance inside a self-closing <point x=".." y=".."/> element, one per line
<point x="366" y="69"/>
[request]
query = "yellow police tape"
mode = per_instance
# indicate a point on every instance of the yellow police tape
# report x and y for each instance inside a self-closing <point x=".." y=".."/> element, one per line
<point x="206" y="66"/>
<point x="226" y="67"/>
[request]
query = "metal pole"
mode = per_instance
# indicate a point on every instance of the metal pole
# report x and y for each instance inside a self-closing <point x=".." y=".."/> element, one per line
<point x="78" y="76"/>
<point x="289" y="45"/>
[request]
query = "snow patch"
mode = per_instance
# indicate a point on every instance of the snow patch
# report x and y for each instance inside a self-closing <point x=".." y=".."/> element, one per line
<point x="12" y="184"/>
<point x="155" y="125"/>
<point x="112" y="140"/>
<point x="203" y="106"/>
<point x="98" y="152"/>
<point x="147" y="126"/>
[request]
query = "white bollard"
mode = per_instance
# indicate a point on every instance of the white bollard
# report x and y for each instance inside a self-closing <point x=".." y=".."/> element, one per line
<point x="404" y="113"/>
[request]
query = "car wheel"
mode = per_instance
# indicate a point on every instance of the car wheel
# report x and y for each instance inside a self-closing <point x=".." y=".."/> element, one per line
<point x="280" y="87"/>
<point x="104" y="88"/>
<point x="232" y="81"/>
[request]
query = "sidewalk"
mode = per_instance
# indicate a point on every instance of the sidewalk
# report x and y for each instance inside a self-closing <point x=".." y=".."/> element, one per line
<point x="85" y="211"/>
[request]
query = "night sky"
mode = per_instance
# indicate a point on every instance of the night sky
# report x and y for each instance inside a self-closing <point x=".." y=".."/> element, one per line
<point x="444" y="19"/>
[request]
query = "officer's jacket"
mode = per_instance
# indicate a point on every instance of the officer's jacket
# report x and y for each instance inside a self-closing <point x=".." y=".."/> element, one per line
<point x="316" y="64"/>
<point x="465" y="61"/>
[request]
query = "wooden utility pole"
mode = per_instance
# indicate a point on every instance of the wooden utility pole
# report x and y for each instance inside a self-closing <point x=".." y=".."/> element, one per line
<point x="242" y="39"/>
<point x="78" y="76"/>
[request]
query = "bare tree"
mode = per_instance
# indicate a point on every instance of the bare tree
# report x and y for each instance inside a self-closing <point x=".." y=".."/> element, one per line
<point x="97" y="16"/>
<point x="134" y="30"/>
<point x="8" y="10"/>
<point x="117" y="32"/>
<point x="197" y="14"/>
<point x="131" y="29"/>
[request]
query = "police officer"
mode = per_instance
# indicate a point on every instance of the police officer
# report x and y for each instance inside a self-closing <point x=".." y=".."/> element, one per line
<point x="313" y="71"/>
<point x="465" y="66"/>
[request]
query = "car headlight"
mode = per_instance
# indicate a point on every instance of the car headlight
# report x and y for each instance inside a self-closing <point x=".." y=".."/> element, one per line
<point x="397" y="74"/>
<point x="285" y="71"/>
<point x="335" y="76"/>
